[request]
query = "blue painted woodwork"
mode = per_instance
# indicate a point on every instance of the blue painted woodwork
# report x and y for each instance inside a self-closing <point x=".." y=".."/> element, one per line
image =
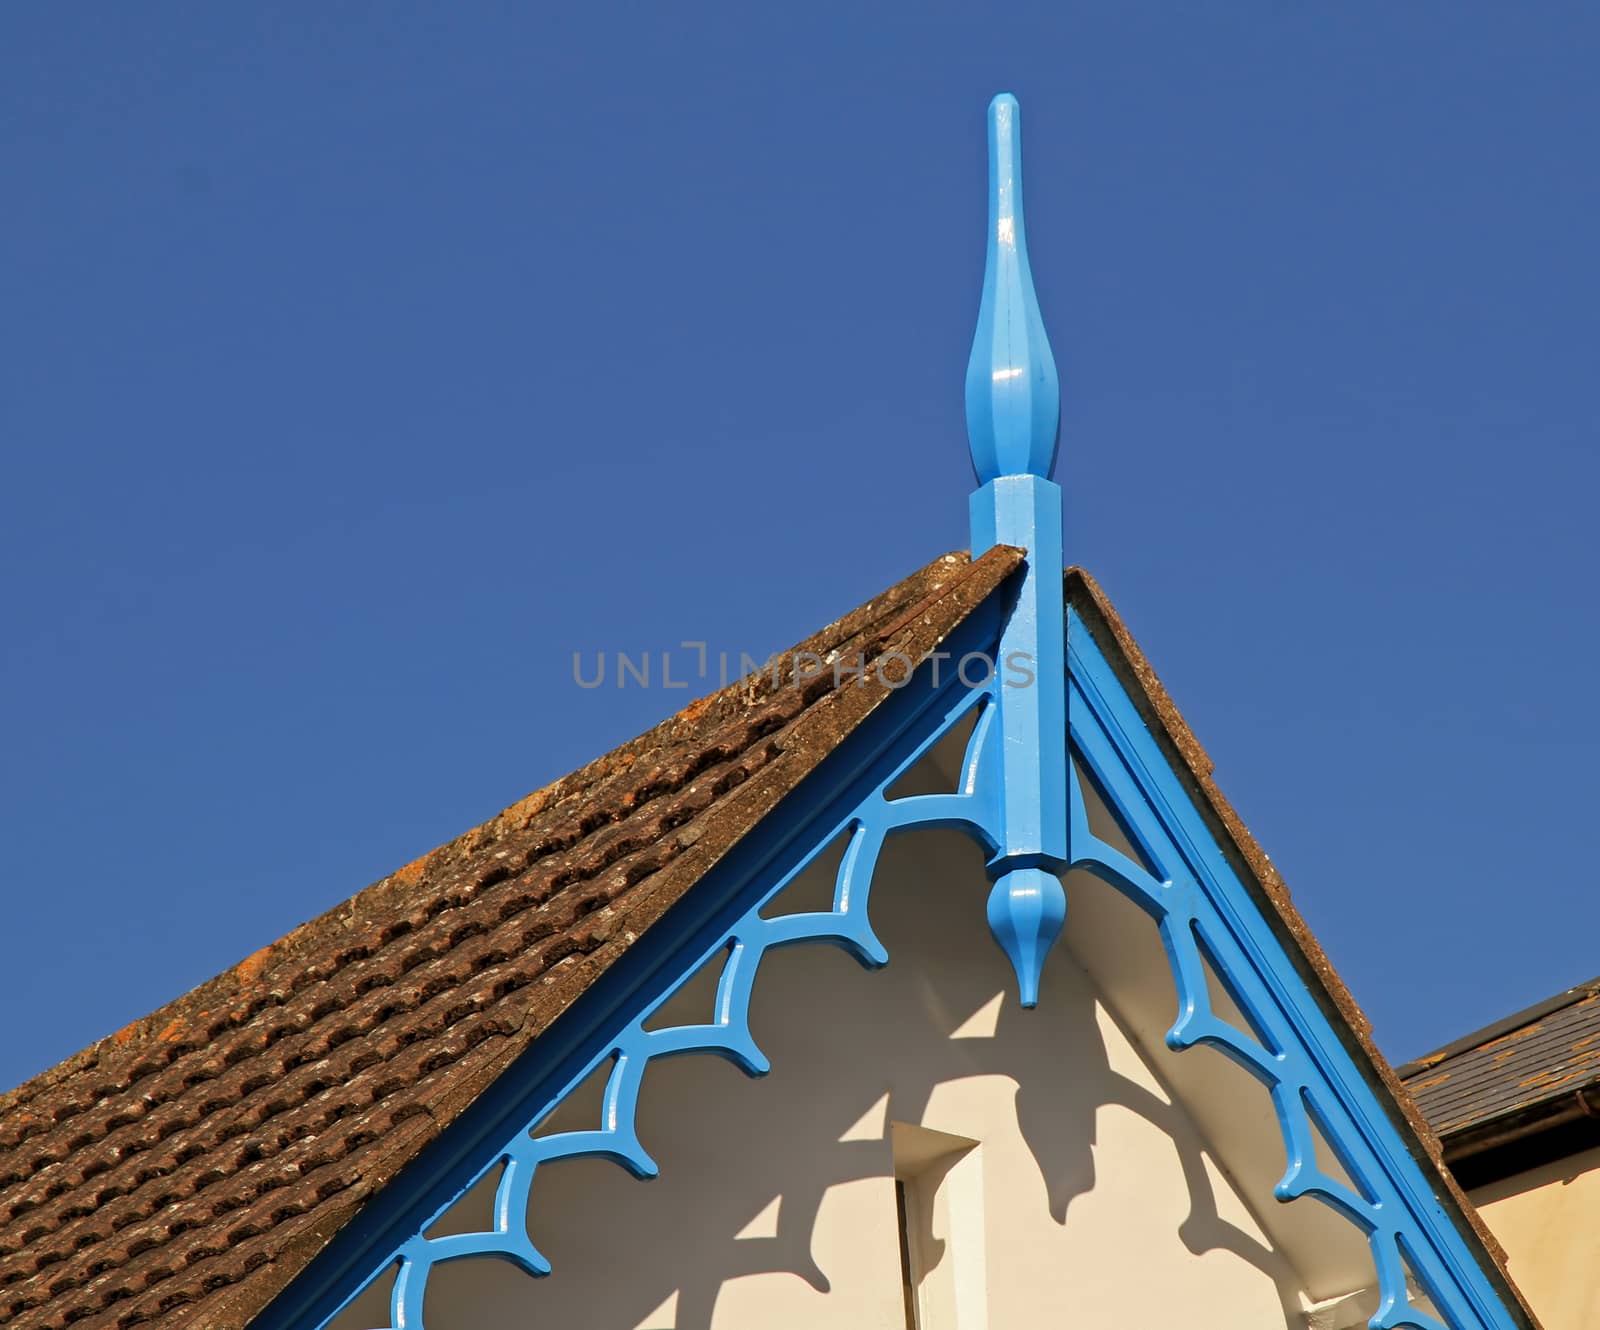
<point x="866" y="764"/>
<point x="1205" y="913"/>
<point x="1013" y="395"/>
<point x="728" y="1035"/>
<point x="1022" y="800"/>
<point x="1013" y="416"/>
<point x="1194" y="896"/>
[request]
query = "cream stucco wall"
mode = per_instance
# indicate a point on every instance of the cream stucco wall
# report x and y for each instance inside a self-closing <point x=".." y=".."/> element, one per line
<point x="1055" y="1177"/>
<point x="1548" y="1220"/>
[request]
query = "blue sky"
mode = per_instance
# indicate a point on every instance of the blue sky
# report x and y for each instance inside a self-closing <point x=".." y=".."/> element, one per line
<point x="360" y="363"/>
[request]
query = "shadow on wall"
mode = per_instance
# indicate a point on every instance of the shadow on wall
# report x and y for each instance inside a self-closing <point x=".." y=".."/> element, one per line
<point x="776" y="1203"/>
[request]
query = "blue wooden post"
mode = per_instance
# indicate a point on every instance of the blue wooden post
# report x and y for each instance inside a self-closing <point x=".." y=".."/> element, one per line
<point x="1013" y="419"/>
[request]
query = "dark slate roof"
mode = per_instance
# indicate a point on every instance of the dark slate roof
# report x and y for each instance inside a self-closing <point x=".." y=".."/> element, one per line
<point x="184" y="1169"/>
<point x="1515" y="1074"/>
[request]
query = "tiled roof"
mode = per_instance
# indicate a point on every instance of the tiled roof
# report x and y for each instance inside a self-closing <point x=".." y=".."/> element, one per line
<point x="1528" y="1066"/>
<point x="183" y="1170"/>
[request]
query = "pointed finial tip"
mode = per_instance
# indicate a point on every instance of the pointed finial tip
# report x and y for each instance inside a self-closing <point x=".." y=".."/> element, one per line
<point x="1027" y="908"/>
<point x="1013" y="395"/>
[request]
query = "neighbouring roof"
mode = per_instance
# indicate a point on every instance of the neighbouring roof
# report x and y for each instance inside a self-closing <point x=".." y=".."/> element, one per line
<point x="188" y="1167"/>
<point x="1526" y="1074"/>
<point x="184" y="1169"/>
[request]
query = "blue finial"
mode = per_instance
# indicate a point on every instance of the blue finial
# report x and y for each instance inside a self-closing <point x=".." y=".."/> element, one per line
<point x="1013" y="411"/>
<point x="1027" y="908"/>
<point x="1013" y="395"/>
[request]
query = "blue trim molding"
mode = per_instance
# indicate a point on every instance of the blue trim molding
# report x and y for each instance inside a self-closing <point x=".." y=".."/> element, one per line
<point x="728" y="1035"/>
<point x="1204" y="913"/>
<point x="721" y="915"/>
<point x="1192" y="892"/>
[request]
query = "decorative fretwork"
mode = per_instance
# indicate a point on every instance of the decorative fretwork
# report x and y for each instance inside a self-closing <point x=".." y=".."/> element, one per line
<point x="1192" y="896"/>
<point x="1205" y="916"/>
<point x="727" y="1035"/>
